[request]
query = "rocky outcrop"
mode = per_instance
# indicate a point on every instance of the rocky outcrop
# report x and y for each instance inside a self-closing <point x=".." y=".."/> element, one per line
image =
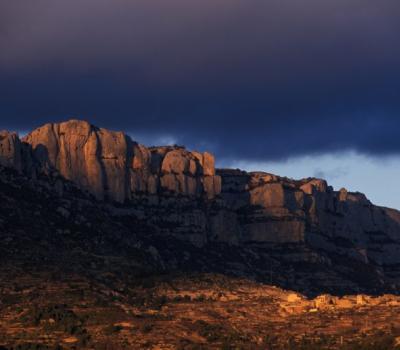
<point x="95" y="159"/>
<point x="10" y="150"/>
<point x="269" y="208"/>
<point x="184" y="172"/>
<point x="15" y="154"/>
<point x="272" y="209"/>
<point x="112" y="166"/>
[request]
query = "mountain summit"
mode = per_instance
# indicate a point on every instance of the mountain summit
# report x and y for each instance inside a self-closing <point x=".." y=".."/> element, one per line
<point x="112" y="166"/>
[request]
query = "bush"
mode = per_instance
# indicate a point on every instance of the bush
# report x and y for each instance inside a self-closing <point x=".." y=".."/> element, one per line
<point x="147" y="328"/>
<point x="112" y="329"/>
<point x="57" y="318"/>
<point x="217" y="333"/>
<point x="34" y="346"/>
<point x="378" y="341"/>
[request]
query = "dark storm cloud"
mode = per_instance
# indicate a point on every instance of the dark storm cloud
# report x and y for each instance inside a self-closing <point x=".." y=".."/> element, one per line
<point x="248" y="79"/>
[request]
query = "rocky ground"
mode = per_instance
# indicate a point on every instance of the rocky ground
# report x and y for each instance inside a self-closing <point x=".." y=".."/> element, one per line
<point x="207" y="311"/>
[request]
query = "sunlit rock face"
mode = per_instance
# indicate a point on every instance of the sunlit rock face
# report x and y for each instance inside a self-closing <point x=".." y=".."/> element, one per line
<point x="112" y="166"/>
<point x="95" y="159"/>
<point x="176" y="170"/>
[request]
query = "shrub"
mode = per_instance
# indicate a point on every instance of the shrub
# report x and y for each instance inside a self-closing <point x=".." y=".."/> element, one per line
<point x="112" y="329"/>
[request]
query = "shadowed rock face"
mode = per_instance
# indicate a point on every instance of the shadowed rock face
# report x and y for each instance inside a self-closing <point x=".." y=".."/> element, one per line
<point x="16" y="154"/>
<point x="112" y="166"/>
<point x="10" y="150"/>
<point x="280" y="210"/>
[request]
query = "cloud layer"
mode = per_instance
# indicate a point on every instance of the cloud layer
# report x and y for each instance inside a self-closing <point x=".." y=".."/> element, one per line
<point x="249" y="79"/>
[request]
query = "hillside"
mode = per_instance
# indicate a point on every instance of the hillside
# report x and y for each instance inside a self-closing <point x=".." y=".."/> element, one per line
<point x="94" y="224"/>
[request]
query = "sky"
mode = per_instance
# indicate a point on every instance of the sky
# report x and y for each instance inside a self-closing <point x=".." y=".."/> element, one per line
<point x="295" y="87"/>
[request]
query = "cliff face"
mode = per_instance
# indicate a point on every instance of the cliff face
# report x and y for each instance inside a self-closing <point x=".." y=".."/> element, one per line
<point x="273" y="209"/>
<point x="179" y="194"/>
<point x="10" y="150"/>
<point x="112" y="166"/>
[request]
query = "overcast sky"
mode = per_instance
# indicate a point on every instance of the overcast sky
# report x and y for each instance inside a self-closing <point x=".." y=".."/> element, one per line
<point x="278" y="84"/>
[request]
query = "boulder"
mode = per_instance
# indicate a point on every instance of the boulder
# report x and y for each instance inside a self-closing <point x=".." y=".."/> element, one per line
<point x="175" y="162"/>
<point x="314" y="185"/>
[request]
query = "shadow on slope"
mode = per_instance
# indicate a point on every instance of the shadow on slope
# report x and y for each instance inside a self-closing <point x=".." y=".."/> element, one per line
<point x="45" y="227"/>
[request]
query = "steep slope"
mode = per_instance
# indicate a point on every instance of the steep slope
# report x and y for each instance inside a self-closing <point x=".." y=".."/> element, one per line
<point x="171" y="205"/>
<point x="48" y="225"/>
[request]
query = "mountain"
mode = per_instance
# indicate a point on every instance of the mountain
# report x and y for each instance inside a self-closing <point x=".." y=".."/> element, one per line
<point x="178" y="195"/>
<point x="78" y="200"/>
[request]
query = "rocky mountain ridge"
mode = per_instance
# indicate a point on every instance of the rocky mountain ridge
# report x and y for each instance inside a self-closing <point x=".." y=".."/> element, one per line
<point x="112" y="166"/>
<point x="177" y="194"/>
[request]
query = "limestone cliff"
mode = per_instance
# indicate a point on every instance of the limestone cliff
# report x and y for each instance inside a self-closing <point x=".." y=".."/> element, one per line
<point x="10" y="150"/>
<point x="112" y="166"/>
<point x="273" y="209"/>
<point x="16" y="154"/>
<point x="180" y="194"/>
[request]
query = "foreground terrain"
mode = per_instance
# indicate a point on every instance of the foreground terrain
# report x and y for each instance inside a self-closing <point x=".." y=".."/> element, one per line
<point x="40" y="311"/>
